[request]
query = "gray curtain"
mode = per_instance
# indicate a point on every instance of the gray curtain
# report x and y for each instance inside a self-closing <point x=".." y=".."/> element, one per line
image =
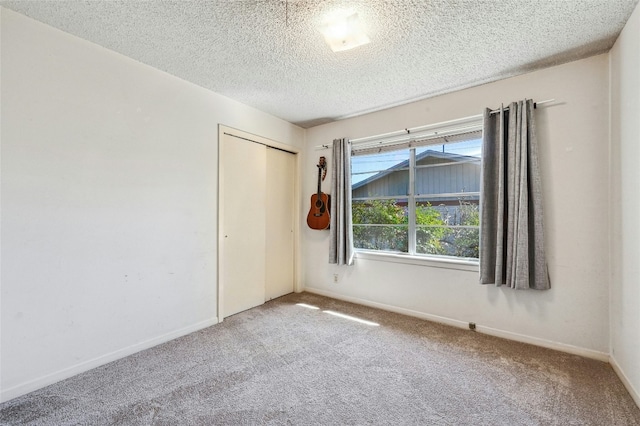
<point x="340" y="232"/>
<point x="512" y="236"/>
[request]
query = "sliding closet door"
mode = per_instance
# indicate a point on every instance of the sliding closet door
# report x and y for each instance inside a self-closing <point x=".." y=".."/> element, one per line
<point x="243" y="190"/>
<point x="279" y="223"/>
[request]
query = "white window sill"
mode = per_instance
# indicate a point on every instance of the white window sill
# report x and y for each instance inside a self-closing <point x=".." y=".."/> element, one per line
<point x="429" y="261"/>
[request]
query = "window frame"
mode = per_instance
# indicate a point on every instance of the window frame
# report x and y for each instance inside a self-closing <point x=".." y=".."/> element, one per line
<point x="412" y="256"/>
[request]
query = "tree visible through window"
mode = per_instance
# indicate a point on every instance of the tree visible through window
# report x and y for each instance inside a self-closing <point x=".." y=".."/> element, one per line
<point x="421" y="201"/>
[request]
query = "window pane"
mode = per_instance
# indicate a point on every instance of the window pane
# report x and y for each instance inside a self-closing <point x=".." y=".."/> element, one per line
<point x="466" y="148"/>
<point x="381" y="225"/>
<point x="443" y="197"/>
<point x="450" y="168"/>
<point x="448" y="225"/>
<point x="449" y="241"/>
<point x="380" y="175"/>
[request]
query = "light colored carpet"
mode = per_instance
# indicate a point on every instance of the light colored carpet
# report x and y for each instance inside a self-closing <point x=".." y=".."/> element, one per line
<point x="282" y="363"/>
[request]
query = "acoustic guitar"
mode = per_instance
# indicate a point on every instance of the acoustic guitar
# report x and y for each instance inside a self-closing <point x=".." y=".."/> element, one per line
<point x="318" y="217"/>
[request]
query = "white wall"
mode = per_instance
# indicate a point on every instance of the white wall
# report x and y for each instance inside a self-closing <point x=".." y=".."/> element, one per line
<point x="625" y="200"/>
<point x="108" y="193"/>
<point x="109" y="186"/>
<point x="573" y="136"/>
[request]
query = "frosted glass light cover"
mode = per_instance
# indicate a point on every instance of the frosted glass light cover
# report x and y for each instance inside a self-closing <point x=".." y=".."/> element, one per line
<point x="344" y="33"/>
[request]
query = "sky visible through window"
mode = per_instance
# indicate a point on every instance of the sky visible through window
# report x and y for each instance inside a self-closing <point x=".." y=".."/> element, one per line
<point x="365" y="166"/>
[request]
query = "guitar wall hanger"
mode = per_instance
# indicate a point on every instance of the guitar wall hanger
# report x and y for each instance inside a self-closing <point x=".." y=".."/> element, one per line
<point x="318" y="217"/>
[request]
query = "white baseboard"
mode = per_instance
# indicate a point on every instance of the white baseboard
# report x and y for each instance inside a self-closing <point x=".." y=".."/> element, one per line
<point x="562" y="347"/>
<point x="625" y="380"/>
<point x="52" y="378"/>
<point x="390" y="308"/>
<point x="574" y="350"/>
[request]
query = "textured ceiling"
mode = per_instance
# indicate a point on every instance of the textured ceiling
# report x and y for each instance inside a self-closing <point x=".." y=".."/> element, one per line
<point x="270" y="54"/>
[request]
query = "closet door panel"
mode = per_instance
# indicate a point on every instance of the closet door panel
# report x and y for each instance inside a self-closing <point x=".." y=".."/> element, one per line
<point x="243" y="190"/>
<point x="280" y="223"/>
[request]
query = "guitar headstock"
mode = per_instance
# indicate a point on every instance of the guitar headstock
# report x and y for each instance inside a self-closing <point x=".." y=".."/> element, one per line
<point x="322" y="165"/>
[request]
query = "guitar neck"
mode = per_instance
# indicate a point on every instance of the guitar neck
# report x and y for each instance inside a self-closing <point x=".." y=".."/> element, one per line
<point x="319" y="181"/>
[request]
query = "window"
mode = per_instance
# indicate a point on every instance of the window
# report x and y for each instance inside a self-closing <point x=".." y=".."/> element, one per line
<point x="418" y="195"/>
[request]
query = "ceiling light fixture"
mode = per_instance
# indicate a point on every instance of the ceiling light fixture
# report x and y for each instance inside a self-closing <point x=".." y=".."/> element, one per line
<point x="344" y="32"/>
